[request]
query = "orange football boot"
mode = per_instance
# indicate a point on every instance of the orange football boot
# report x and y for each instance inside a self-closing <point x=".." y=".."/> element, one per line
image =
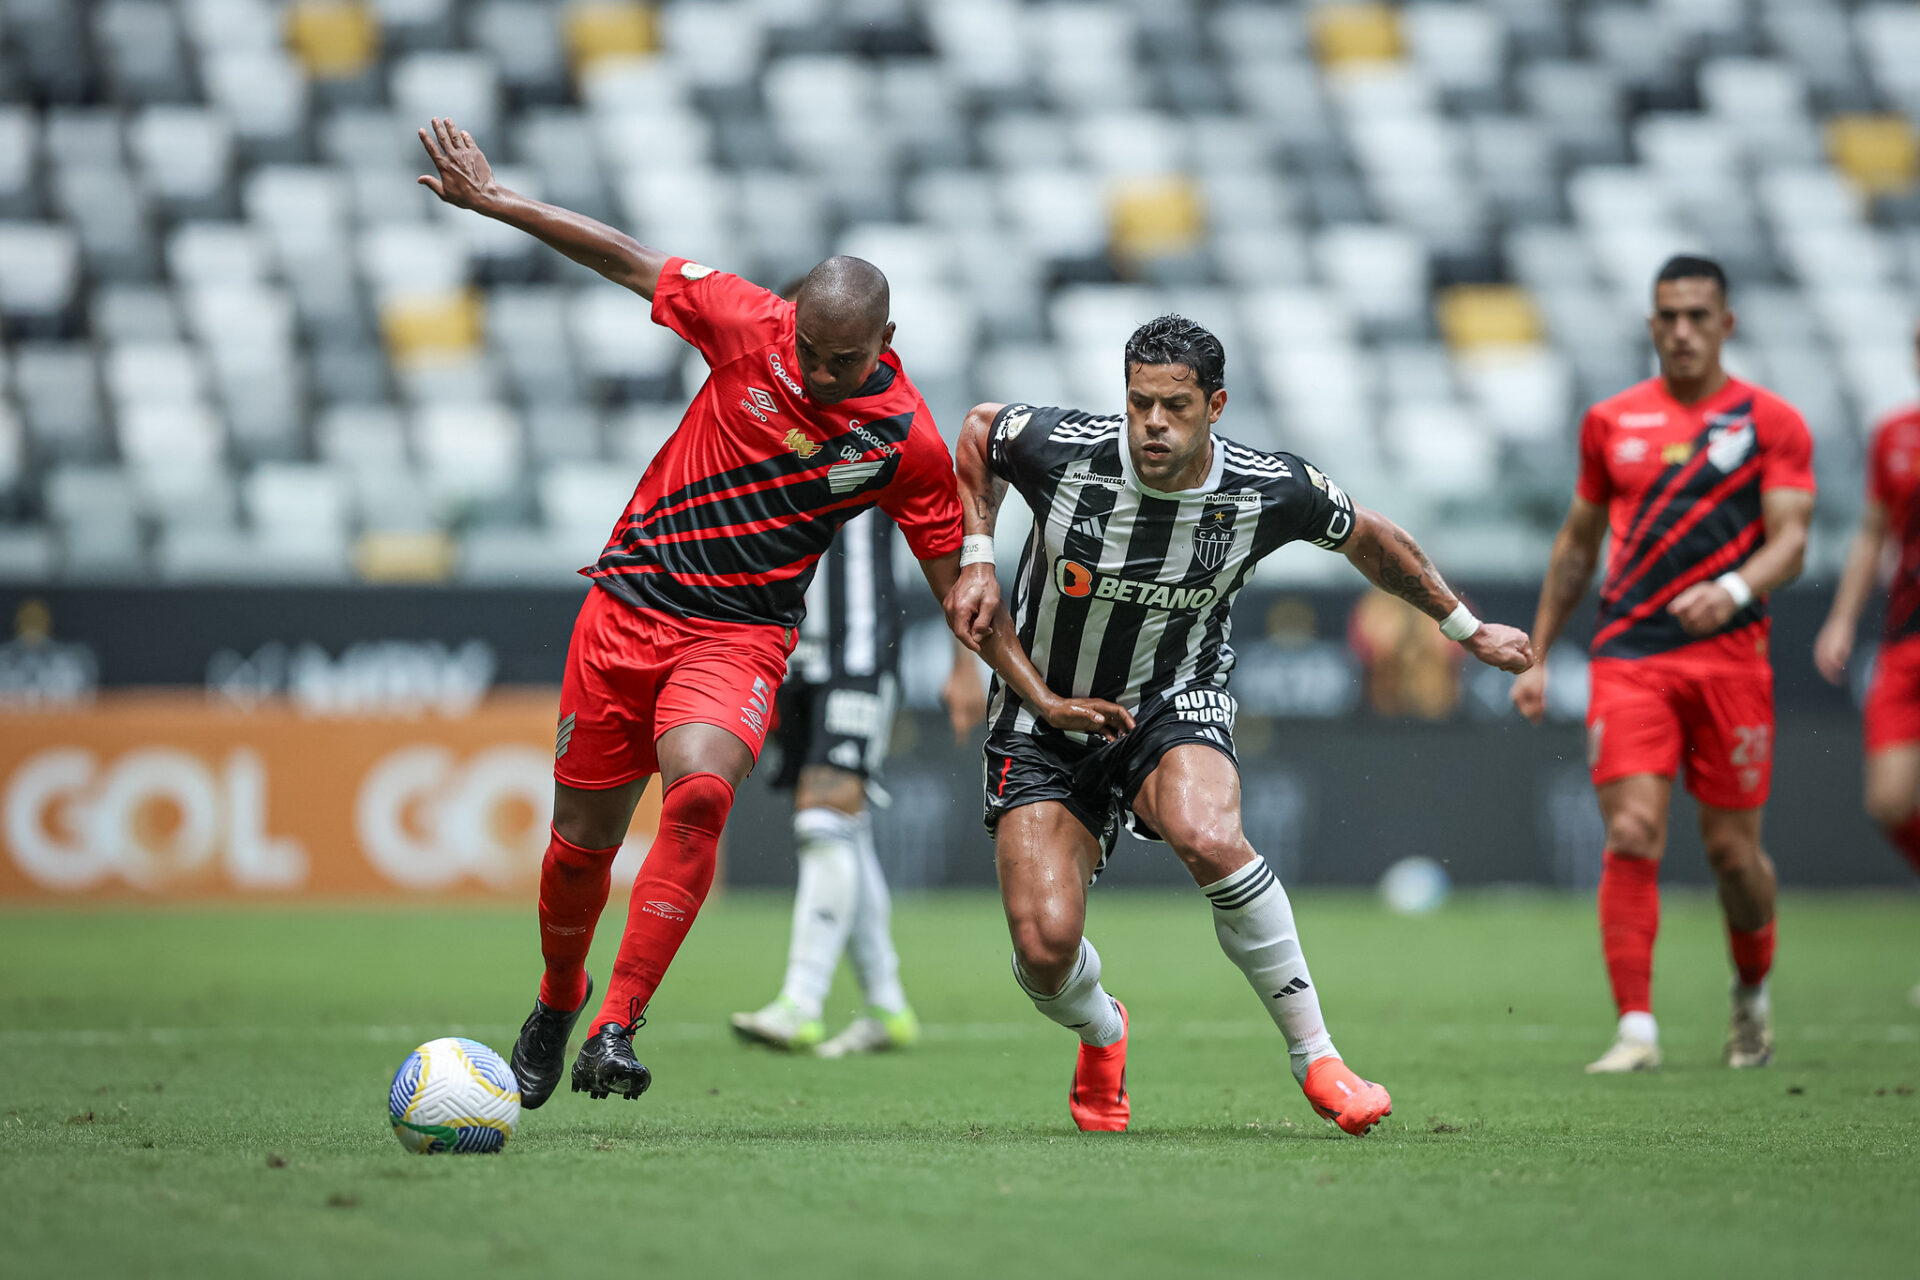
<point x="1354" y="1104"/>
<point x="1098" y="1096"/>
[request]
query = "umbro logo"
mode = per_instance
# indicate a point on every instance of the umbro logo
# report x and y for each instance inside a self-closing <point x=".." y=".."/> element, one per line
<point x="564" y="737"/>
<point x="764" y="399"/>
<point x="1293" y="988"/>
<point x="665" y="910"/>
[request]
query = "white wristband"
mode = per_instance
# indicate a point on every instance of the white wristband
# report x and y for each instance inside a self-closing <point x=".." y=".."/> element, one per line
<point x="1460" y="624"/>
<point x="1736" y="586"/>
<point x="976" y="548"/>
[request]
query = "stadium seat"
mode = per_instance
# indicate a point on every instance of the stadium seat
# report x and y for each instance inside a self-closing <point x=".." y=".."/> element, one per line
<point x="262" y="94"/>
<point x="471" y="453"/>
<point x="141" y="50"/>
<point x="95" y="512"/>
<point x="19" y="143"/>
<point x="39" y="276"/>
<point x="59" y="395"/>
<point x="299" y="514"/>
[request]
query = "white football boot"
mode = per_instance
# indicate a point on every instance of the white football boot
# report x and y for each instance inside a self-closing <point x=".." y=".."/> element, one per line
<point x="1749" y="1030"/>
<point x="1635" y="1048"/>
<point x="874" y="1032"/>
<point x="781" y="1025"/>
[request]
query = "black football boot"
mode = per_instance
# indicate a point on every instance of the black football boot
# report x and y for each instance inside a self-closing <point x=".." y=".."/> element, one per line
<point x="541" y="1051"/>
<point x="606" y="1063"/>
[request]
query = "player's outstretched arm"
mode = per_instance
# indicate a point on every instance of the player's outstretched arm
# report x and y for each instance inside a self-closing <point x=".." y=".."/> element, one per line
<point x="970" y="606"/>
<point x="1833" y="648"/>
<point x="1705" y="607"/>
<point x="1000" y="646"/>
<point x="464" y="179"/>
<point x="1394" y="562"/>
<point x="1576" y="553"/>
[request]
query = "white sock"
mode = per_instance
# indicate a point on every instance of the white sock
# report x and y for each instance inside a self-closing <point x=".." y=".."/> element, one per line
<point x="1083" y="1005"/>
<point x="1754" y="999"/>
<point x="870" y="946"/>
<point x="823" y="904"/>
<point x="1254" y="922"/>
<point x="1639" y="1026"/>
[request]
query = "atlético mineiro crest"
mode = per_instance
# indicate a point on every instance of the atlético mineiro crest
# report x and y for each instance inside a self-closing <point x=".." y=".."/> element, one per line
<point x="1213" y="537"/>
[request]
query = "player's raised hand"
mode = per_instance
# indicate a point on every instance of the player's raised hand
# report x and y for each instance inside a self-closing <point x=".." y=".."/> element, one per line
<point x="1703" y="607"/>
<point x="1088" y="715"/>
<point x="1500" y="646"/>
<point x="463" y="177"/>
<point x="971" y="604"/>
<point x="1832" y="650"/>
<point x="1529" y="693"/>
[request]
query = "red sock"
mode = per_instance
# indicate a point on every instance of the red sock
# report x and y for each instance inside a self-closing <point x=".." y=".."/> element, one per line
<point x="573" y="892"/>
<point x="1629" y="921"/>
<point x="1752" y="953"/>
<point x="667" y="894"/>
<point x="1906" y="838"/>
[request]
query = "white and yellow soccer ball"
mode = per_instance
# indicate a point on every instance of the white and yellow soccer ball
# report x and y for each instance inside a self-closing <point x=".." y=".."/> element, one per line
<point x="453" y="1095"/>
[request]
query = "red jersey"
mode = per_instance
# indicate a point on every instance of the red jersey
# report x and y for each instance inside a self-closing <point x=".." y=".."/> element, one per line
<point x="1893" y="481"/>
<point x="734" y="511"/>
<point x="1682" y="485"/>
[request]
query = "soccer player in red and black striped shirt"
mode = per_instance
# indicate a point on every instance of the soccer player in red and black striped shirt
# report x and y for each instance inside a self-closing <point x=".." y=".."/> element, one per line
<point x="1707" y="485"/>
<point x="1891" y="516"/>
<point x="805" y="421"/>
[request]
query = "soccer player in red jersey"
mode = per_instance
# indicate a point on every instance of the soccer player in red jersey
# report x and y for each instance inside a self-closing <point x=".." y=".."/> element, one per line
<point x="1891" y="515"/>
<point x="1706" y="483"/>
<point x="806" y="420"/>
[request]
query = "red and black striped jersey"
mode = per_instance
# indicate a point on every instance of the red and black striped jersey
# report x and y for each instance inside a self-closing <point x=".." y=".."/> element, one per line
<point x="1682" y="486"/>
<point x="734" y="511"/>
<point x="1893" y="481"/>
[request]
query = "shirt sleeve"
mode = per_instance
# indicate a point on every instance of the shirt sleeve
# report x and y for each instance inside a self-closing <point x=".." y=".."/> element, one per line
<point x="1314" y="508"/>
<point x="723" y="316"/>
<point x="924" y="497"/>
<point x="1017" y="440"/>
<point x="1786" y="457"/>
<point x="1594" y="484"/>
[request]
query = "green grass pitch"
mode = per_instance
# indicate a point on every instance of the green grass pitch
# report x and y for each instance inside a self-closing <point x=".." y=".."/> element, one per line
<point x="202" y="1093"/>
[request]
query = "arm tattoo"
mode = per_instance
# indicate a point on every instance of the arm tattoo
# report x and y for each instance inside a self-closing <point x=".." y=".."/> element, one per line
<point x="1404" y="571"/>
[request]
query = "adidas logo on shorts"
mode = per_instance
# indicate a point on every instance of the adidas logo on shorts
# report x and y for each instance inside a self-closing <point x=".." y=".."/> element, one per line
<point x="563" y="738"/>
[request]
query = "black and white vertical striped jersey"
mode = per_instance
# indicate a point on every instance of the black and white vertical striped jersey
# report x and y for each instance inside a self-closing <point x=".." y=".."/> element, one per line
<point x="852" y="627"/>
<point x="1125" y="592"/>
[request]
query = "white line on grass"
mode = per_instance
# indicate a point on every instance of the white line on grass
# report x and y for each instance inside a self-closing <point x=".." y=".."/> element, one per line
<point x="502" y="1033"/>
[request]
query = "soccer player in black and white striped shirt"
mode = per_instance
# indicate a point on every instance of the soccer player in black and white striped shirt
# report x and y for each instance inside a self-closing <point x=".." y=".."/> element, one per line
<point x="835" y="717"/>
<point x="1145" y="528"/>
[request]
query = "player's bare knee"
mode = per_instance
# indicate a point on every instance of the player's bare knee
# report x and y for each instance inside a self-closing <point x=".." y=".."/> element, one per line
<point x="1636" y="833"/>
<point x="1212" y="852"/>
<point x="1047" y="942"/>
<point x="1730" y="851"/>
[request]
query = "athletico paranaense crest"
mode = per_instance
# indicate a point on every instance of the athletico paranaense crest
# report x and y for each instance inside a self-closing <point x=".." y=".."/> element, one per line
<point x="1213" y="537"/>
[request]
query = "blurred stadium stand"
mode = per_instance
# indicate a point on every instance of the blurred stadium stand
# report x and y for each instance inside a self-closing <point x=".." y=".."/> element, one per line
<point x="241" y="344"/>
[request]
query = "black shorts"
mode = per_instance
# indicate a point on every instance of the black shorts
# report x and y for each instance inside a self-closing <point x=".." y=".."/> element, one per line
<point x="1097" y="781"/>
<point x="843" y="723"/>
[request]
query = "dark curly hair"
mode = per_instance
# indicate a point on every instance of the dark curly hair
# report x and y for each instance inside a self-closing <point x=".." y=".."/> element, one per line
<point x="1172" y="339"/>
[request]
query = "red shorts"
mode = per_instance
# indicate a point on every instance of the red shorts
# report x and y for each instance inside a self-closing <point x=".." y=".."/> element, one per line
<point x="633" y="674"/>
<point x="1893" y="698"/>
<point x="1649" y="716"/>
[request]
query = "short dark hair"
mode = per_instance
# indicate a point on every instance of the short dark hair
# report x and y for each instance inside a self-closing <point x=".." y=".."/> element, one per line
<point x="1172" y="339"/>
<point x="1687" y="266"/>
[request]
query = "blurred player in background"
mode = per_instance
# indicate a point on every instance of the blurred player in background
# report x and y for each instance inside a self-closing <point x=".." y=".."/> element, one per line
<point x="1890" y="522"/>
<point x="1707" y="484"/>
<point x="836" y="713"/>
<point x="805" y="420"/>
<point x="1145" y="528"/>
